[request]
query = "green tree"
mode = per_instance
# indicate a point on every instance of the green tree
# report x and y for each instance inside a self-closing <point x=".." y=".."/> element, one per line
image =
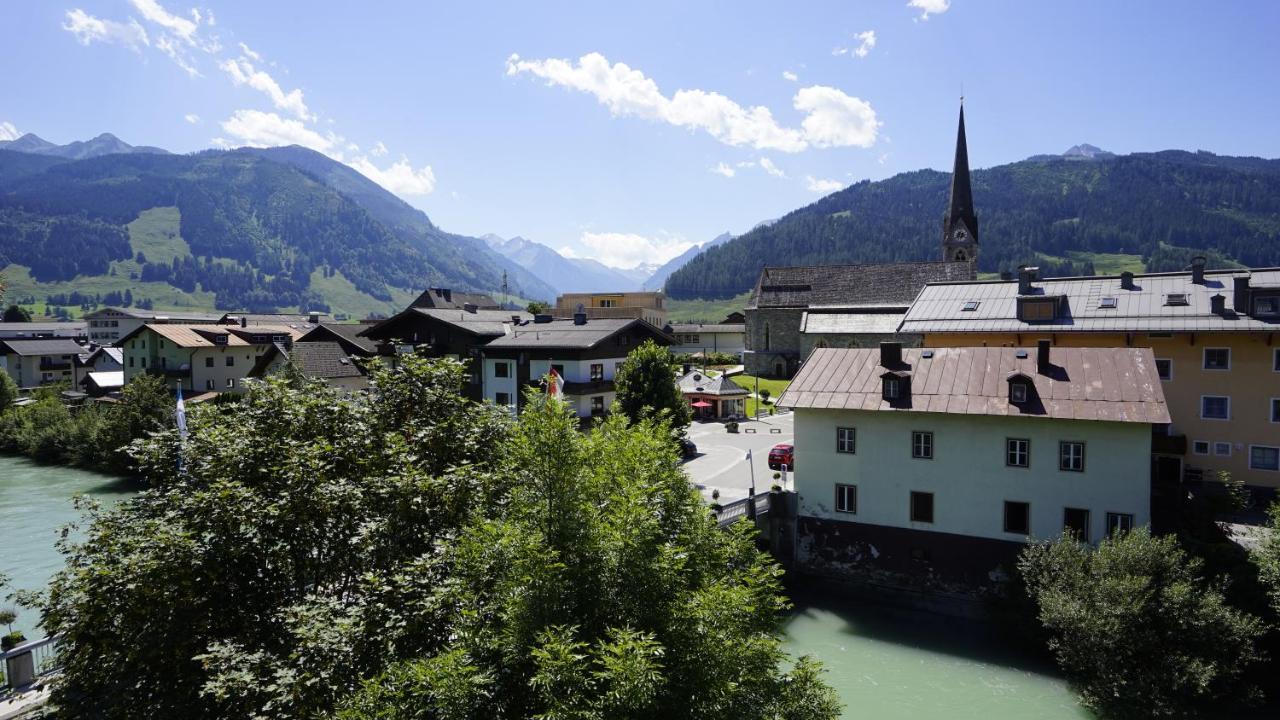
<point x="537" y="307"/>
<point x="145" y="406"/>
<point x="8" y="391"/>
<point x="601" y="589"/>
<point x="1267" y="556"/>
<point x="646" y="384"/>
<point x="1137" y="628"/>
<point x="16" y="313"/>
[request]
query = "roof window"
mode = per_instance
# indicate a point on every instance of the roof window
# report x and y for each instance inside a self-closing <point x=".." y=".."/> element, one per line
<point x="1176" y="299"/>
<point x="970" y="306"/>
<point x="1107" y="303"/>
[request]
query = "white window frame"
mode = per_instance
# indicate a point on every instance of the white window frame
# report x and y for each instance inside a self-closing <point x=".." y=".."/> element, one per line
<point x="1025" y="452"/>
<point x="1116" y="519"/>
<point x="1064" y="459"/>
<point x="1218" y="445"/>
<point x="843" y="491"/>
<point x="498" y="401"/>
<point x="1204" y="359"/>
<point x="1163" y="378"/>
<point x="851" y="441"/>
<point x="1208" y="447"/>
<point x="1218" y="419"/>
<point x="1268" y="447"/>
<point x="922" y="444"/>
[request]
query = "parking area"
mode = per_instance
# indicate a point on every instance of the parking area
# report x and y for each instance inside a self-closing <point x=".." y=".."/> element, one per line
<point x="721" y="463"/>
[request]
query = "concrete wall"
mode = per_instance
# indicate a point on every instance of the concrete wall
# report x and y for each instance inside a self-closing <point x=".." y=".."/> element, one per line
<point x="968" y="476"/>
<point x="783" y="344"/>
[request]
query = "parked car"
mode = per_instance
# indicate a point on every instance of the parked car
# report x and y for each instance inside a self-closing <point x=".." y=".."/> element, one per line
<point x="782" y="454"/>
<point x="688" y="449"/>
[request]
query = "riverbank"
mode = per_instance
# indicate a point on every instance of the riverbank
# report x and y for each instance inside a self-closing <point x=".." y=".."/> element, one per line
<point x="35" y="503"/>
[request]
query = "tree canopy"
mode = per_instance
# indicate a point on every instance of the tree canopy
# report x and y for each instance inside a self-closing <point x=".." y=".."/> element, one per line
<point x="646" y="385"/>
<point x="16" y="313"/>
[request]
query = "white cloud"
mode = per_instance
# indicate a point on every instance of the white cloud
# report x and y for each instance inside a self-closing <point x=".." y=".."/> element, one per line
<point x="169" y="47"/>
<point x="256" y="128"/>
<point x="866" y="41"/>
<point x="767" y="165"/>
<point x="244" y="50"/>
<point x="819" y="185"/>
<point x="400" y="178"/>
<point x="840" y="51"/>
<point x="8" y="131"/>
<point x="929" y="7"/>
<point x="788" y="75"/>
<point x="627" y="250"/>
<point x="834" y="119"/>
<point x="378" y="149"/>
<point x="181" y="27"/>
<point x="723" y="169"/>
<point x="242" y="72"/>
<point x="89" y="29"/>
<point x="192" y="118"/>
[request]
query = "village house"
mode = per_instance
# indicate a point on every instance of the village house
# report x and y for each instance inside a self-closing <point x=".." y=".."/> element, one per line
<point x="350" y="336"/>
<point x="950" y="459"/>
<point x="32" y="363"/>
<point x="109" y="324"/>
<point x="713" y="398"/>
<point x="325" y="361"/>
<point x="99" y="359"/>
<point x="647" y="306"/>
<point x="783" y="322"/>
<point x="586" y="353"/>
<point x="200" y="357"/>
<point x="692" y="338"/>
<point x="43" y="330"/>
<point x="1213" y="334"/>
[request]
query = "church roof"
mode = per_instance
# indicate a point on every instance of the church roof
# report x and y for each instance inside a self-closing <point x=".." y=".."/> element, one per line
<point x="960" y="204"/>
<point x="845" y="286"/>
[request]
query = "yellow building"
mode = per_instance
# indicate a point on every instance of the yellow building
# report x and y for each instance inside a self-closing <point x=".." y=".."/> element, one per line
<point x="645" y="306"/>
<point x="1213" y="334"/>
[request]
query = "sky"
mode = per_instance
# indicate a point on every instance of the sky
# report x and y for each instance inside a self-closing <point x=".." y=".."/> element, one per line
<point x="629" y="134"/>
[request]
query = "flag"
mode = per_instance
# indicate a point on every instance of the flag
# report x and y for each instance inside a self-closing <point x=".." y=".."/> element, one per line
<point x="555" y="384"/>
<point x="181" y="414"/>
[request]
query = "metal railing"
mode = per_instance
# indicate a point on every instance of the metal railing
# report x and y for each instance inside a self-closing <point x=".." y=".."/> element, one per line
<point x="18" y="673"/>
<point x="731" y="512"/>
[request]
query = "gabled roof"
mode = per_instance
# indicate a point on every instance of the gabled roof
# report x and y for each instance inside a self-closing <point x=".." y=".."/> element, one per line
<point x="444" y="299"/>
<point x="107" y="379"/>
<point x="158" y="315"/>
<point x="349" y="334"/>
<point x="878" y="323"/>
<point x="844" y="286"/>
<point x="318" y="360"/>
<point x="565" y="334"/>
<point x="48" y="346"/>
<point x="697" y="382"/>
<point x="199" y="336"/>
<point x="1109" y="384"/>
<point x="1145" y="308"/>
<point x="481" y="323"/>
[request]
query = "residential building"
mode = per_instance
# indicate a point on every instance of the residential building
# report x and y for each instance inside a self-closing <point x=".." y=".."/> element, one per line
<point x="100" y="384"/>
<point x="713" y="398"/>
<point x="43" y="330"/>
<point x="1213" y="334"/>
<point x="298" y="321"/>
<point x="447" y="299"/>
<point x="326" y="361"/>
<point x="726" y="338"/>
<point x="950" y="459"/>
<point x="32" y="363"/>
<point x="201" y="357"/>
<point x="782" y="326"/>
<point x="586" y="353"/>
<point x="647" y="306"/>
<point x="109" y="324"/>
<point x="99" y="359"/>
<point x="348" y="335"/>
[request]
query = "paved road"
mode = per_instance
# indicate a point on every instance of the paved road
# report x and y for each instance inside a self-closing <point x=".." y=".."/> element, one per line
<point x="721" y="462"/>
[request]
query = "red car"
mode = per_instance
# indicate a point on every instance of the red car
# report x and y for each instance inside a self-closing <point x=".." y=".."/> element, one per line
<point x="782" y="454"/>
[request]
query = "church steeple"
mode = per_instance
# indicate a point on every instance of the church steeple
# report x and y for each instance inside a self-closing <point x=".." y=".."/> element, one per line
<point x="960" y="224"/>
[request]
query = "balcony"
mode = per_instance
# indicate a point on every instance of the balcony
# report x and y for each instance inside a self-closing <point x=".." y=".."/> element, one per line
<point x="1169" y="444"/>
<point x="183" y="371"/>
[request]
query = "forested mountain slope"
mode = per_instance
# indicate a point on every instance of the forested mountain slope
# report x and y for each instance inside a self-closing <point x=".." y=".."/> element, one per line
<point x="1157" y="209"/>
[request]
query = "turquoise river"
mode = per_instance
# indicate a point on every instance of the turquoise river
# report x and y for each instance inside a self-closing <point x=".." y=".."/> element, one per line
<point x="886" y="664"/>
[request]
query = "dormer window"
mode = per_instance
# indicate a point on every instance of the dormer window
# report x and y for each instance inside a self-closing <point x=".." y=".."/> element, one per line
<point x="892" y="391"/>
<point x="895" y="386"/>
<point x="1266" y="306"/>
<point x="1038" y="309"/>
<point x="1176" y="299"/>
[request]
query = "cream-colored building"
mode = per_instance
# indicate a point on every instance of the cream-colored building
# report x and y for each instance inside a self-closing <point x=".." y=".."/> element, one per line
<point x="201" y="358"/>
<point x="647" y="306"/>
<point x="1213" y="334"/>
<point x="32" y="363"/>
<point x="956" y="457"/>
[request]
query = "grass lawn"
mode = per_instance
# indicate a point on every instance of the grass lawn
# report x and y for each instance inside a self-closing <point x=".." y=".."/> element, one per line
<point x="774" y="386"/>
<point x="707" y="311"/>
<point x="1110" y="263"/>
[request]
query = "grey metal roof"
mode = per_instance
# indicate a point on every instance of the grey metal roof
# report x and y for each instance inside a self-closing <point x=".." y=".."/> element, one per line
<point x="107" y="378"/>
<point x="696" y="382"/>
<point x="481" y="322"/>
<point x="939" y="308"/>
<point x="848" y="285"/>
<point x="42" y="329"/>
<point x="350" y="332"/>
<point x="444" y="298"/>
<point x="50" y="346"/>
<point x="850" y="323"/>
<point x="323" y="360"/>
<point x="162" y="315"/>
<point x="565" y="334"/>
<point x="708" y="328"/>
<point x="1110" y="384"/>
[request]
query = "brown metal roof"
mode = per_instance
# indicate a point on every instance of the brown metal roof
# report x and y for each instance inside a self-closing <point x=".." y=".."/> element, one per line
<point x="1112" y="384"/>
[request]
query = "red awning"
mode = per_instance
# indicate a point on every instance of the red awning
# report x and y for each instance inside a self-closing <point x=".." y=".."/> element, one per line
<point x="701" y="404"/>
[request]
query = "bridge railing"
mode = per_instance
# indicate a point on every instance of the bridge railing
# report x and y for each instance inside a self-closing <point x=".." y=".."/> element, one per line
<point x="730" y="512"/>
<point x="27" y="663"/>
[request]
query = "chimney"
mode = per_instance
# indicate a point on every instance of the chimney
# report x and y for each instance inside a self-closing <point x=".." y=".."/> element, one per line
<point x="1197" y="270"/>
<point x="314" y="318"/>
<point x="1126" y="280"/>
<point x="580" y="318"/>
<point x="447" y="293"/>
<point x="515" y="319"/>
<point x="470" y="307"/>
<point x="1026" y="275"/>
<point x="1042" y="355"/>
<point x="541" y="319"/>
<point x="1218" y="304"/>
<point x="1240" y="294"/>
<point x="244" y="321"/>
<point x="890" y="354"/>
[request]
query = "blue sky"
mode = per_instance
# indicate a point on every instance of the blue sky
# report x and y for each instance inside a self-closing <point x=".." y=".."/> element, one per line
<point x="626" y="134"/>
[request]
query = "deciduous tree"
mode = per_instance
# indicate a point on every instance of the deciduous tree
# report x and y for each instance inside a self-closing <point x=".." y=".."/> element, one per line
<point x="646" y="385"/>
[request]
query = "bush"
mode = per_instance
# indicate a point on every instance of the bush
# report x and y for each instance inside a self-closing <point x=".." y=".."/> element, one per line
<point x="1137" y="628"/>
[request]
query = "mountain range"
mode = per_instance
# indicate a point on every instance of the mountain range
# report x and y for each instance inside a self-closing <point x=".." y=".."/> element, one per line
<point x="104" y="144"/>
<point x="1081" y="212"/>
<point x="567" y="274"/>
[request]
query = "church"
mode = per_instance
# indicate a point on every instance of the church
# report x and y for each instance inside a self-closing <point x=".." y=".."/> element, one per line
<point x="794" y="309"/>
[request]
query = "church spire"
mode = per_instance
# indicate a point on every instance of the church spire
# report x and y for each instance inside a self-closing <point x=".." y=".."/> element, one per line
<point x="960" y="224"/>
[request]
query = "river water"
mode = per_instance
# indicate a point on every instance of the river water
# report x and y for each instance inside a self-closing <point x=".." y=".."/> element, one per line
<point x="35" y="502"/>
<point x="885" y="664"/>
